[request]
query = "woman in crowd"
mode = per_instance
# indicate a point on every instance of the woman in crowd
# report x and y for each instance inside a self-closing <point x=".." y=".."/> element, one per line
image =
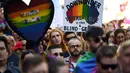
<point x="119" y="35"/>
<point x="110" y="26"/>
<point x="110" y="38"/>
<point x="12" y="41"/>
<point x="56" y="38"/>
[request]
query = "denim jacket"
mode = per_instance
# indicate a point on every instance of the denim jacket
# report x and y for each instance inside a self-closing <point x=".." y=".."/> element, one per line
<point x="11" y="69"/>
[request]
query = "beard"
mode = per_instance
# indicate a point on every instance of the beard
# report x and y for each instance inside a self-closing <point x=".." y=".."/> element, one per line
<point x="94" y="49"/>
<point x="75" y="53"/>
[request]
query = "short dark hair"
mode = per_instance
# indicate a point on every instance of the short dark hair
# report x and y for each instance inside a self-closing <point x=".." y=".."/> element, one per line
<point x="25" y="53"/>
<point x="4" y="39"/>
<point x="93" y="32"/>
<point x="31" y="62"/>
<point x="54" y="64"/>
<point x="119" y="31"/>
<point x="67" y="33"/>
<point x="53" y="47"/>
<point x="105" y="51"/>
<point x="108" y="35"/>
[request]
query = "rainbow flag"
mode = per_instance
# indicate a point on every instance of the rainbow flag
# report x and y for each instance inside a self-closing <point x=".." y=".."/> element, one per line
<point x="86" y="63"/>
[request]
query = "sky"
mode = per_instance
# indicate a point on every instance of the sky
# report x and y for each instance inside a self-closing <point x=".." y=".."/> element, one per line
<point x="111" y="9"/>
<point x="61" y="2"/>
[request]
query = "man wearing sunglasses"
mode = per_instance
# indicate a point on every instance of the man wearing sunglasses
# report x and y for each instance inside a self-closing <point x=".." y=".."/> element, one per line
<point x="106" y="59"/>
<point x="56" y="51"/>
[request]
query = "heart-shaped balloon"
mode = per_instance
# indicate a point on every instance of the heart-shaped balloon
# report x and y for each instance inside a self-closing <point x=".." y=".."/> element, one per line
<point x="29" y="21"/>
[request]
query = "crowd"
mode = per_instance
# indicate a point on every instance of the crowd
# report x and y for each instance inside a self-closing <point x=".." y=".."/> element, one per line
<point x="98" y="50"/>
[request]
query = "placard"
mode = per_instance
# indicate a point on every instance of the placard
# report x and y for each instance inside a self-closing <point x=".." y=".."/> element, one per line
<point x="79" y="14"/>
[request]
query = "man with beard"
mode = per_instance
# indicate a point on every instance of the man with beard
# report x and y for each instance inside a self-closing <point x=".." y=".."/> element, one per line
<point x="106" y="58"/>
<point x="93" y="38"/>
<point x="75" y="48"/>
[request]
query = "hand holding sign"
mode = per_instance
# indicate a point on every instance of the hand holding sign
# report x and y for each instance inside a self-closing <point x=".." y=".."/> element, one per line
<point x="31" y="20"/>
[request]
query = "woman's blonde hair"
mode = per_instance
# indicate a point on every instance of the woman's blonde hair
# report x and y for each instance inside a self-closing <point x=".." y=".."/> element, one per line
<point x="83" y="43"/>
<point x="63" y="45"/>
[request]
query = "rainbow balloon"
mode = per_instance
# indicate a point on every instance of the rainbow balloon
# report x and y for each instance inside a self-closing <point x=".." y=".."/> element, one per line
<point x="30" y="22"/>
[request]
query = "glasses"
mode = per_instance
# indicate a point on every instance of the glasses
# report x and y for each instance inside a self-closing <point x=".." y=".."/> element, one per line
<point x="67" y="39"/>
<point x="58" y="54"/>
<point x="107" y="66"/>
<point x="73" y="46"/>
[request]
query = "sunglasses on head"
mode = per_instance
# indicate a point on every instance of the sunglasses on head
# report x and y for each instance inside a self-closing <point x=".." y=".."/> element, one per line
<point x="107" y="66"/>
<point x="58" y="54"/>
<point x="67" y="39"/>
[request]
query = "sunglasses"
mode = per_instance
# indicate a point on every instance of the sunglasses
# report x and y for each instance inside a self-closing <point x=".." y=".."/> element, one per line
<point x="107" y="66"/>
<point x="58" y="54"/>
<point x="67" y="39"/>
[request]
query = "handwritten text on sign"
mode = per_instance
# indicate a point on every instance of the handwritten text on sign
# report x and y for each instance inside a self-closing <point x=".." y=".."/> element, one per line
<point x="82" y="13"/>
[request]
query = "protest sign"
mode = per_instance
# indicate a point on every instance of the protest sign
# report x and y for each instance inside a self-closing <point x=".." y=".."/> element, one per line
<point x="79" y="14"/>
